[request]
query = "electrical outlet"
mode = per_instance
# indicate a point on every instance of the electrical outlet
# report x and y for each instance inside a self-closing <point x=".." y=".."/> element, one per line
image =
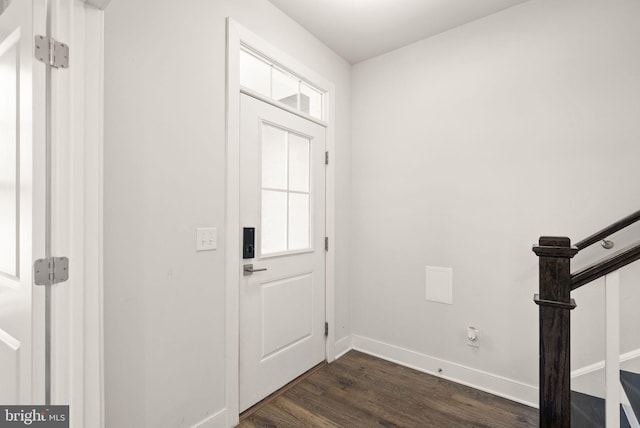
<point x="473" y="337"/>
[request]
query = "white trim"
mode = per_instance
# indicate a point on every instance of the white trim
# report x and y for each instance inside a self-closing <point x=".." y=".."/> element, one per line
<point x="94" y="211"/>
<point x="600" y="365"/>
<point x="232" y="228"/>
<point x="281" y="105"/>
<point x="330" y="218"/>
<point x="587" y="369"/>
<point x="494" y="384"/>
<point x="237" y="35"/>
<point x="37" y="207"/>
<point x="343" y="346"/>
<point x="217" y="420"/>
<point x="77" y="333"/>
<point x="67" y="221"/>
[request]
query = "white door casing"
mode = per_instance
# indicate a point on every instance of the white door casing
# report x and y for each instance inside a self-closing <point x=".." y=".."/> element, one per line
<point x="22" y="212"/>
<point x="282" y="195"/>
<point x="77" y="212"/>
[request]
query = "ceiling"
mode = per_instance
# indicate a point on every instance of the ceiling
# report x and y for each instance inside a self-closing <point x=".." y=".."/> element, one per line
<point x="361" y="29"/>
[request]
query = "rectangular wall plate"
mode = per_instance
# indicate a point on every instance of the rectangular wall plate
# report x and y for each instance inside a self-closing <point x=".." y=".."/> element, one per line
<point x="439" y="284"/>
<point x="206" y="238"/>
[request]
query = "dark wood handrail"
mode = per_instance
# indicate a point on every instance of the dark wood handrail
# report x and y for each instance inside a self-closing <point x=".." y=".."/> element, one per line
<point x="609" y="230"/>
<point x="607" y="265"/>
<point x="555" y="303"/>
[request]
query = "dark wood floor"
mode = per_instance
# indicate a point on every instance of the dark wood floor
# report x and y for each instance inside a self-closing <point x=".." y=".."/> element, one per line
<point x="363" y="391"/>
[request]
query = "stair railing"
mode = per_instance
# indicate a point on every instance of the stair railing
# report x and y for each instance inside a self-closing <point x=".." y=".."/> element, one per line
<point x="555" y="303"/>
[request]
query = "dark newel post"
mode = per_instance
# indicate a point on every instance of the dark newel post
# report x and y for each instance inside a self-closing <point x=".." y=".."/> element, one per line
<point x="555" y="303"/>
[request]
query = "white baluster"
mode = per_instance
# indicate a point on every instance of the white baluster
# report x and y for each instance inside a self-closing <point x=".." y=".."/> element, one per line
<point x="612" y="319"/>
<point x="628" y="411"/>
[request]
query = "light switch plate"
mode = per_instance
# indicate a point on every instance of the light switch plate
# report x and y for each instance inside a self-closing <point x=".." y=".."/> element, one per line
<point x="206" y="238"/>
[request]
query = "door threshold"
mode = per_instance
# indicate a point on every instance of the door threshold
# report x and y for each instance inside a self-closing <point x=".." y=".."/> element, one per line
<point x="269" y="398"/>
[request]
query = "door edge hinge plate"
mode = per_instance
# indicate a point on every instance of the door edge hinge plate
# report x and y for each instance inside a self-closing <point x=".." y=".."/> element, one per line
<point x="326" y="243"/>
<point x="51" y="271"/>
<point x="51" y="52"/>
<point x="326" y="158"/>
<point x="326" y="329"/>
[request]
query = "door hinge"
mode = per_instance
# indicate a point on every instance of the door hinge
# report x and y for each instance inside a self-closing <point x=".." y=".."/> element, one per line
<point x="326" y="329"/>
<point x="326" y="243"/>
<point x="326" y="158"/>
<point x="51" y="271"/>
<point x="51" y="52"/>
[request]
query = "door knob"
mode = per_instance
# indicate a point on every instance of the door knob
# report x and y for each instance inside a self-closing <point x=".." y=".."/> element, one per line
<point x="248" y="269"/>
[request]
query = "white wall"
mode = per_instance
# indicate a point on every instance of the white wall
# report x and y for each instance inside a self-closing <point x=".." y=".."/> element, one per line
<point x="165" y="176"/>
<point x="466" y="148"/>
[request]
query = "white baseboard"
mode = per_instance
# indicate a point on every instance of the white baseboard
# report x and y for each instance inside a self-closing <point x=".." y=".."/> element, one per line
<point x="343" y="346"/>
<point x="217" y="420"/>
<point x="478" y="379"/>
<point x="600" y="365"/>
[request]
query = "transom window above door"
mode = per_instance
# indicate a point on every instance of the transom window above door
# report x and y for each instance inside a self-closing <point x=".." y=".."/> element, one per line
<point x="265" y="78"/>
<point x="286" y="191"/>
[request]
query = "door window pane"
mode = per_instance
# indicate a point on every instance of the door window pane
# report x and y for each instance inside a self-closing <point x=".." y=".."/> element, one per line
<point x="298" y="221"/>
<point x="255" y="74"/>
<point x="274" y="157"/>
<point x="286" y="191"/>
<point x="298" y="163"/>
<point x="274" y="222"/>
<point x="8" y="161"/>
<point x="285" y="88"/>
<point x="310" y="101"/>
<point x="263" y="76"/>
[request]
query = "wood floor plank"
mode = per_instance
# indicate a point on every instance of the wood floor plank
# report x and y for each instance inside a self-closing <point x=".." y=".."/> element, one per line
<point x="359" y="390"/>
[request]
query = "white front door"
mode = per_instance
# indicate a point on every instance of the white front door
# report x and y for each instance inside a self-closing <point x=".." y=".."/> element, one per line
<point x="282" y="196"/>
<point x="21" y="206"/>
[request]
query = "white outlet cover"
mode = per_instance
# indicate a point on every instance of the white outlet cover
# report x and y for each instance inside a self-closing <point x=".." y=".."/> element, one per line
<point x="206" y="238"/>
<point x="439" y="287"/>
<point x="472" y="333"/>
